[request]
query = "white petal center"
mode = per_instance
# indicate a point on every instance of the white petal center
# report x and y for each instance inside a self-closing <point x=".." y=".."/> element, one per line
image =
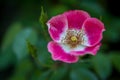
<point x="74" y="40"/>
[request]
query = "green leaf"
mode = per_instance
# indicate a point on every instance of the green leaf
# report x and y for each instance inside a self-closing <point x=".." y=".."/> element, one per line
<point x="70" y="2"/>
<point x="102" y="66"/>
<point x="43" y="17"/>
<point x="10" y="35"/>
<point x="19" y="45"/>
<point x="82" y="63"/>
<point x="44" y="57"/>
<point x="82" y="74"/>
<point x="115" y="58"/>
<point x="22" y="70"/>
<point x="58" y="9"/>
<point x="7" y="58"/>
<point x="113" y="32"/>
<point x="45" y="75"/>
<point x="32" y="49"/>
<point x="93" y="8"/>
<point x="59" y="73"/>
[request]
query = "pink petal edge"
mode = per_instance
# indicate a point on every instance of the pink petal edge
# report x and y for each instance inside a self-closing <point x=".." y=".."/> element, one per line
<point x="59" y="54"/>
<point x="56" y="26"/>
<point x="88" y="50"/>
<point x="76" y="18"/>
<point x="94" y="29"/>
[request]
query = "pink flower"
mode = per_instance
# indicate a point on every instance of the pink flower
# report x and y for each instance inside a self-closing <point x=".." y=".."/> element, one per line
<point x="74" y="34"/>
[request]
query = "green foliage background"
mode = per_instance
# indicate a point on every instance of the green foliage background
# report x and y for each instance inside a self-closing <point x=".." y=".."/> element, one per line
<point x="23" y="50"/>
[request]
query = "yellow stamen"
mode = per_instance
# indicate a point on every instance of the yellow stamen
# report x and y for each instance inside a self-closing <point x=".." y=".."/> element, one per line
<point x="74" y="38"/>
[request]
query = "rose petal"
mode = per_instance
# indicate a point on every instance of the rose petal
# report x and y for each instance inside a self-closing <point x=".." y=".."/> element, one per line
<point x="68" y="49"/>
<point x="59" y="54"/>
<point x="88" y="50"/>
<point x="56" y="26"/>
<point x="76" y="18"/>
<point x="93" y="29"/>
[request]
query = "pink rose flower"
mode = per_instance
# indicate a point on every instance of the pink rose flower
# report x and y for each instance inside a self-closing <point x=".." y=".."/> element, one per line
<point x="74" y="34"/>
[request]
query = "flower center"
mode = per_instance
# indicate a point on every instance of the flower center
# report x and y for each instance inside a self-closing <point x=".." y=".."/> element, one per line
<point x="74" y="38"/>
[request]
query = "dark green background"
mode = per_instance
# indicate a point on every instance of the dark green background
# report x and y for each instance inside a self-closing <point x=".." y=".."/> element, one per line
<point x="23" y="41"/>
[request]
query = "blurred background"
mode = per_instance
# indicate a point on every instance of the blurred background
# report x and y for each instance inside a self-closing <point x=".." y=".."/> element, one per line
<point x="23" y="41"/>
